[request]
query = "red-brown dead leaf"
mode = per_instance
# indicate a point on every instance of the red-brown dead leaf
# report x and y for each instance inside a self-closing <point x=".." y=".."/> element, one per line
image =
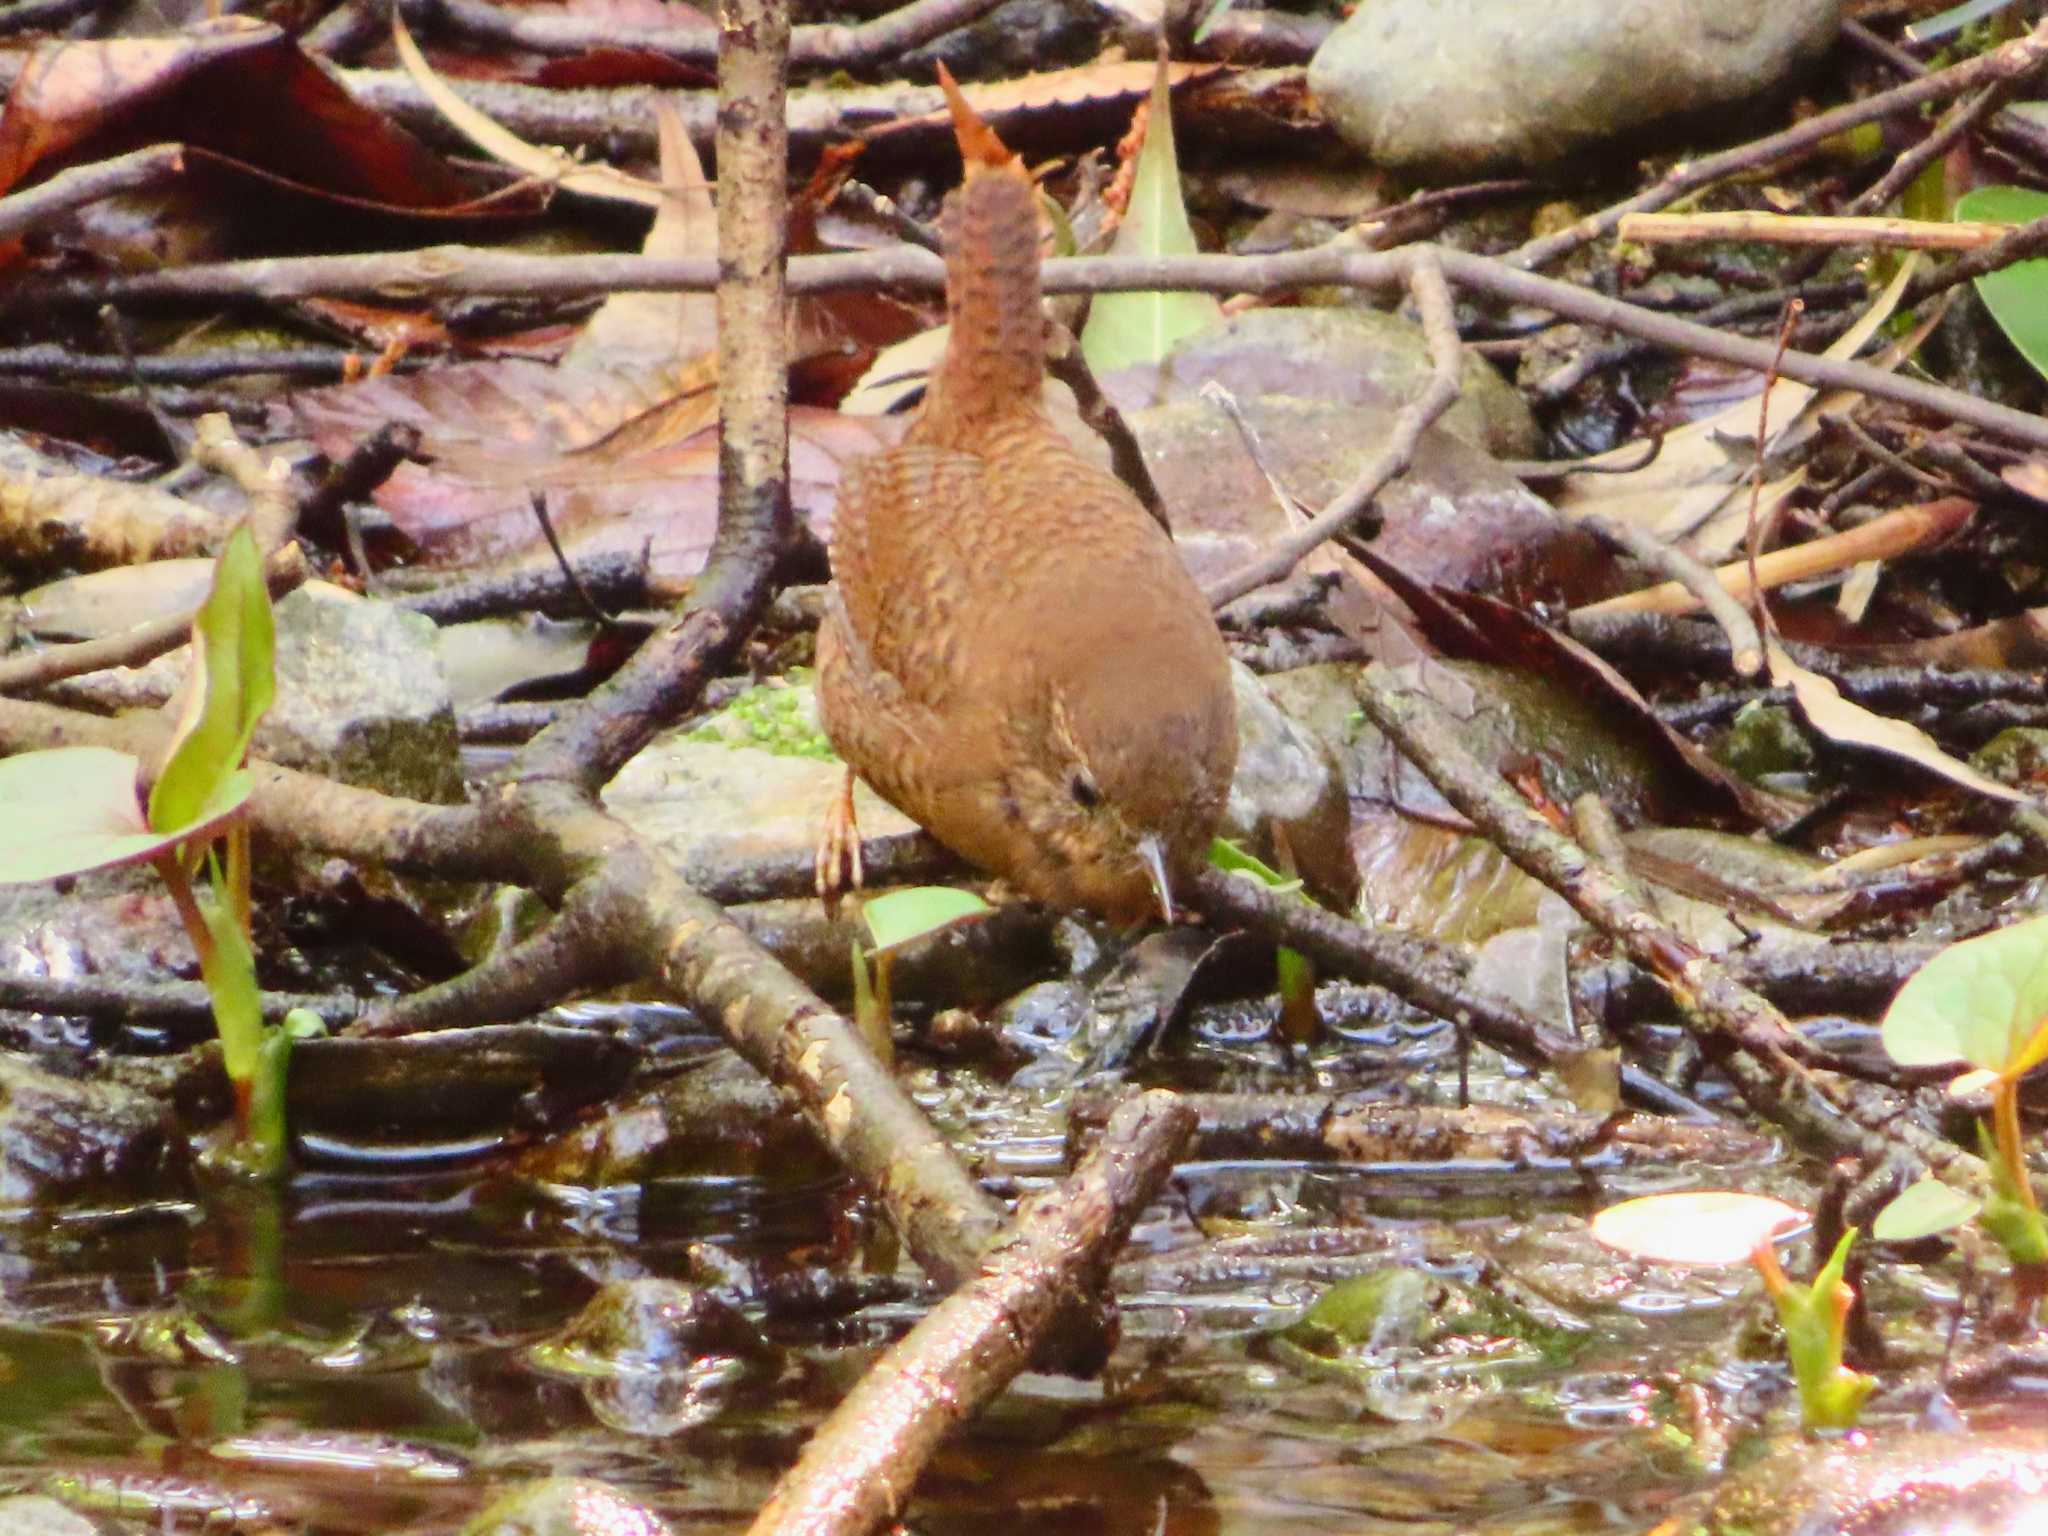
<point x="238" y="91"/>
<point x="497" y="432"/>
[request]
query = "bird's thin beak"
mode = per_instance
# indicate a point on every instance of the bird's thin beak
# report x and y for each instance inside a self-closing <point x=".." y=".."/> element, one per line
<point x="1153" y="852"/>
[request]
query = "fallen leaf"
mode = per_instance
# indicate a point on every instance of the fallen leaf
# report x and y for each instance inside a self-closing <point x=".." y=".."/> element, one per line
<point x="1851" y="725"/>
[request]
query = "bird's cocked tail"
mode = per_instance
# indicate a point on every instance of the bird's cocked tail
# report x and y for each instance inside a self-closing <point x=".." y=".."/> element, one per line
<point x="995" y="352"/>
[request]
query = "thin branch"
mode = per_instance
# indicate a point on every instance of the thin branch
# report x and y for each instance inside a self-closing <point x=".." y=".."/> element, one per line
<point x="1425" y="975"/>
<point x="667" y="674"/>
<point x="1439" y="326"/>
<point x="1751" y="1039"/>
<point x="2013" y="61"/>
<point x="1745" y="646"/>
<point x="824" y="47"/>
<point x="857" y="1472"/>
<point x="455" y="270"/>
<point x="1757" y="226"/>
<point x="272" y="510"/>
<point x="32" y="670"/>
<point x="1898" y="532"/>
<point x="154" y="166"/>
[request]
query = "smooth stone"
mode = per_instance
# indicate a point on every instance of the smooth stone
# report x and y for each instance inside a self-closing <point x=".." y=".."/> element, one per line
<point x="1451" y="90"/>
<point x="81" y="1140"/>
<point x="1347" y="356"/>
<point x="37" y="1514"/>
<point x="566" y="1506"/>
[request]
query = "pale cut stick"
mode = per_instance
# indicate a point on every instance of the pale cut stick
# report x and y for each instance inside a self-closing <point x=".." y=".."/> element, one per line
<point x="1808" y="229"/>
<point x="1898" y="532"/>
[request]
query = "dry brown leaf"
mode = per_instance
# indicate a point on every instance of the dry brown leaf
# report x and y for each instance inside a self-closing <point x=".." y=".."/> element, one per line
<point x="543" y="162"/>
<point x="1852" y="725"/>
<point x="1704" y="467"/>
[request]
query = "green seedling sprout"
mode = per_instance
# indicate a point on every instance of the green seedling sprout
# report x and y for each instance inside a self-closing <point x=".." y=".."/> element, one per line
<point x="893" y="920"/>
<point x="1715" y="1228"/>
<point x="1299" y="1020"/>
<point x="75" y="809"/>
<point x="1984" y="1003"/>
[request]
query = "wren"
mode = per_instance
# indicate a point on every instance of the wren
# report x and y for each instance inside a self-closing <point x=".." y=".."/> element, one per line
<point x="1012" y="653"/>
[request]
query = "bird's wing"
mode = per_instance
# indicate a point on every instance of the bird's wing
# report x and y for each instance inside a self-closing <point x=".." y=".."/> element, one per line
<point x="905" y="566"/>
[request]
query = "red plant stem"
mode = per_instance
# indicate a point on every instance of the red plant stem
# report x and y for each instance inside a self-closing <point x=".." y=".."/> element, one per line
<point x="172" y="868"/>
<point x="1765" y="1258"/>
<point x="2005" y="1112"/>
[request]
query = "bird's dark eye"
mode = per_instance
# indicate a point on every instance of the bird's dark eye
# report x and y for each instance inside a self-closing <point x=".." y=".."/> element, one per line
<point x="1083" y="789"/>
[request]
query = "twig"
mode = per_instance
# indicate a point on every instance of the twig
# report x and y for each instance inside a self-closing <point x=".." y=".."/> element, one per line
<point x="33" y="670"/>
<point x="158" y="1002"/>
<point x="1064" y="361"/>
<point x="1808" y="229"/>
<point x="153" y="166"/>
<point x="168" y="430"/>
<point x="43" y="15"/>
<point x="454" y="270"/>
<point x="612" y="581"/>
<point x="824" y="47"/>
<point x="1745" y="646"/>
<point x="579" y="949"/>
<point x="1845" y="423"/>
<point x="357" y="474"/>
<point x="1897" y="532"/>
<point x="667" y="673"/>
<point x="2012" y="61"/>
<point x="1956" y="122"/>
<point x="319" y="365"/>
<point x="587" y="604"/>
<point x="2013" y="133"/>
<point x="1418" y="972"/>
<point x="1440" y="327"/>
<point x="2020" y="244"/>
<point x="857" y="1471"/>
<point x="265" y="482"/>
<point x="1752" y="1040"/>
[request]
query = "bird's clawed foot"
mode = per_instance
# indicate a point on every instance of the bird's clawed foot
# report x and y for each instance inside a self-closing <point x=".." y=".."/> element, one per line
<point x="838" y="870"/>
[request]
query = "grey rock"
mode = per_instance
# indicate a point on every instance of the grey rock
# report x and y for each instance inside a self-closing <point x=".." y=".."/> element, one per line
<point x="66" y="1139"/>
<point x="1288" y="790"/>
<point x="361" y="693"/>
<point x="36" y="1514"/>
<point x="1456" y="517"/>
<point x="1454" y="89"/>
<point x="750" y="785"/>
<point x="361" y="697"/>
<point x="566" y="1506"/>
<point x="1347" y="356"/>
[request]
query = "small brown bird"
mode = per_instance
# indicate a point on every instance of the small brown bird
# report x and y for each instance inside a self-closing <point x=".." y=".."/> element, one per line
<point x="1012" y="654"/>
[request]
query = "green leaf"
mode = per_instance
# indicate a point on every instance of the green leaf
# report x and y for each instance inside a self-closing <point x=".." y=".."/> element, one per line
<point x="1233" y="860"/>
<point x="69" y="810"/>
<point x="1922" y="1210"/>
<point x="2017" y="296"/>
<point x="1124" y="329"/>
<point x="1981" y="1001"/>
<point x="233" y="642"/>
<point x="1208" y="23"/>
<point x="894" y="919"/>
